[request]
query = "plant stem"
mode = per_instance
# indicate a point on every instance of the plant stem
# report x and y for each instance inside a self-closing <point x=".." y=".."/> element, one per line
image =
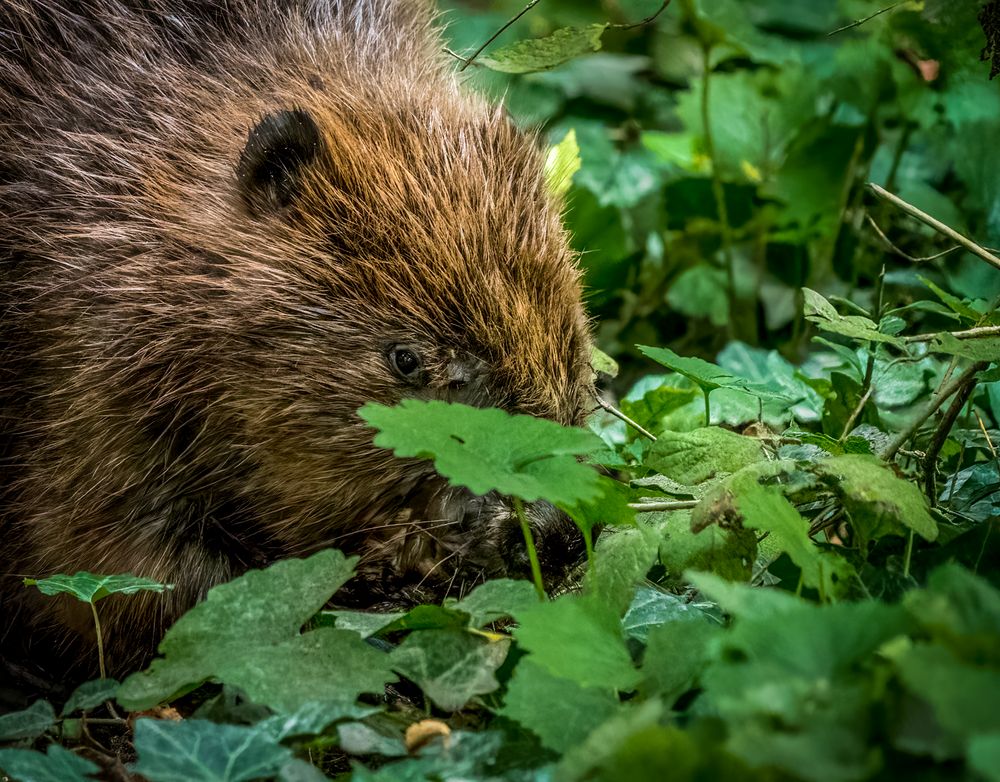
<point x="937" y="225"/>
<point x="665" y="505"/>
<point x="932" y="407"/>
<point x="622" y="417"/>
<point x="718" y="191"/>
<point x="940" y="435"/>
<point x="529" y="544"/>
<point x="979" y="332"/>
<point x="708" y="408"/>
<point x="100" y="642"/>
<point x="908" y="555"/>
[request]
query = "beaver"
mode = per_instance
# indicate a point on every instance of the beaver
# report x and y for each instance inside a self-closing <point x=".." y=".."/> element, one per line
<point x="226" y="225"/>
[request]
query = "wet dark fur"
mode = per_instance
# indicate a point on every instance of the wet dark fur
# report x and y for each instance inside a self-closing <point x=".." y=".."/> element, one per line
<point x="215" y="219"/>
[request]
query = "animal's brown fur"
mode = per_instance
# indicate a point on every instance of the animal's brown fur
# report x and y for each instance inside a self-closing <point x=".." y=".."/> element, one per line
<point x="181" y="370"/>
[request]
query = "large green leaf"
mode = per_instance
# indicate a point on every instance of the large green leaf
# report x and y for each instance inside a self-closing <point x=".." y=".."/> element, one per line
<point x="541" y="54"/>
<point x="247" y="633"/>
<point x="56" y="765"/>
<point x="90" y="588"/>
<point x="488" y="449"/>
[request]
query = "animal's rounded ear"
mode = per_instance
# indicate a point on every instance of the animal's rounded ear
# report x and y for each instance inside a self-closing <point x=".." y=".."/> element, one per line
<point x="278" y="149"/>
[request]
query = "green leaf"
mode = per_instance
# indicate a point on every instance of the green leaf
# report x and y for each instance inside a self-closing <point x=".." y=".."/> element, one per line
<point x="496" y="599"/>
<point x="603" y="363"/>
<point x="704" y="374"/>
<point x="622" y="558"/>
<point x="90" y="588"/>
<point x="765" y="509"/>
<point x="541" y="54"/>
<point x="729" y="552"/>
<point x="695" y="457"/>
<point x="964" y="697"/>
<point x="282" y="667"/>
<point x="953" y="302"/>
<point x="654" y="607"/>
<point x="29" y="723"/>
<point x="578" y="638"/>
<point x="822" y="313"/>
<point x="561" y="164"/>
<point x="879" y="502"/>
<point x="559" y="711"/>
<point x="489" y="449"/>
<point x="451" y="666"/>
<point x="364" y="623"/>
<point x="677" y="652"/>
<point x="312" y="719"/>
<point x="90" y="694"/>
<point x="201" y="751"/>
<point x="984" y="756"/>
<point x="976" y="349"/>
<point x="56" y="765"/>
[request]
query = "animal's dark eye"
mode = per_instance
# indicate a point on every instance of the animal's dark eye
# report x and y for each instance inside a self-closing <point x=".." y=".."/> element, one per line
<point x="405" y="362"/>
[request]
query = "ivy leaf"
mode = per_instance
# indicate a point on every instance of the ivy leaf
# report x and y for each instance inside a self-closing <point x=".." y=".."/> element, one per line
<point x="29" y="723"/>
<point x="561" y="164"/>
<point x="489" y="449"/>
<point x="821" y="312"/>
<point x="247" y="634"/>
<point x="542" y="54"/>
<point x="578" y="638"/>
<point x="559" y="711"/>
<point x="201" y="751"/>
<point x="451" y="666"/>
<point x="90" y="694"/>
<point x="56" y="765"/>
<point x="496" y="599"/>
<point x="90" y="588"/>
<point x="878" y="501"/>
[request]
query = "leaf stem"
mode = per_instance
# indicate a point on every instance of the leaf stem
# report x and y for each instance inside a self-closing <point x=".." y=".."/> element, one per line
<point x="100" y="641"/>
<point x="908" y="555"/>
<point x="610" y="408"/>
<point x="529" y="544"/>
<point x="941" y="435"/>
<point x="665" y="505"/>
<point x="708" y="408"/>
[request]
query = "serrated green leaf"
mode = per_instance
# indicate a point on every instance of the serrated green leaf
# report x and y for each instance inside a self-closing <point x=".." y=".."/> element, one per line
<point x="878" y="501"/>
<point x="603" y="363"/>
<point x="561" y="164"/>
<point x="282" y="667"/>
<point x="954" y="303"/>
<point x="706" y="375"/>
<point x="542" y="54"/>
<point x="29" y="723"/>
<point x="201" y="751"/>
<point x="695" y="457"/>
<point x="578" y="638"/>
<point x="451" y="666"/>
<point x="559" y="711"/>
<point x="822" y="313"/>
<point x="533" y="459"/>
<point x="622" y="558"/>
<point x="90" y="694"/>
<point x="56" y="765"/>
<point x="729" y="552"/>
<point x="90" y="588"/>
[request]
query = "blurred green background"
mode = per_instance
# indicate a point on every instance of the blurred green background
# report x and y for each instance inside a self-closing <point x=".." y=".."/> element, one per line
<point x="693" y="239"/>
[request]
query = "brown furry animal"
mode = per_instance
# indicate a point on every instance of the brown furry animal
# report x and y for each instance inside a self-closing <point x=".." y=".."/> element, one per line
<point x="225" y="225"/>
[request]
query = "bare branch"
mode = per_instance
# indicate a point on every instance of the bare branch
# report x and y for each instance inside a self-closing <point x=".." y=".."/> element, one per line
<point x="468" y="61"/>
<point x="859" y="22"/>
<point x="622" y="417"/>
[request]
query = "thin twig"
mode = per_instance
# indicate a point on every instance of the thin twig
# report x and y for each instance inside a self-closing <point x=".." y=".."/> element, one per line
<point x="977" y="333"/>
<point x="497" y="34"/>
<point x="849" y="425"/>
<point x="940" y="435"/>
<point x="647" y="20"/>
<point x="942" y="396"/>
<point x="859" y="22"/>
<point x="622" y="417"/>
<point x="666" y="505"/>
<point x="937" y="225"/>
<point x="903" y="254"/>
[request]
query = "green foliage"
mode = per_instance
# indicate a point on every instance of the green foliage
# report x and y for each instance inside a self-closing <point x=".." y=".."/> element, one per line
<point x="56" y="765"/>
<point x="284" y="668"/>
